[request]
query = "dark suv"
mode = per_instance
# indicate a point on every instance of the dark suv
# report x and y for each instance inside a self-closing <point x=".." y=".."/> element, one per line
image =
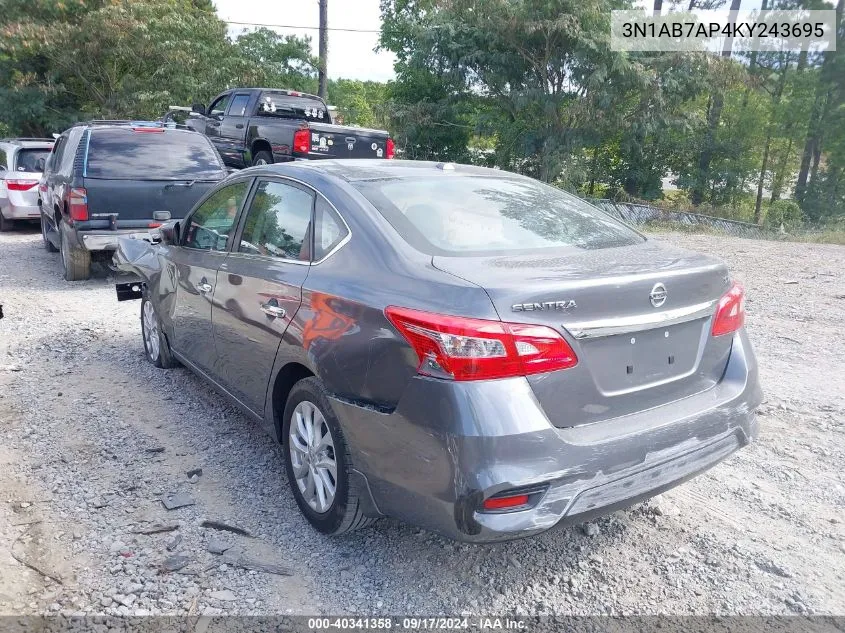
<point x="110" y="179"/>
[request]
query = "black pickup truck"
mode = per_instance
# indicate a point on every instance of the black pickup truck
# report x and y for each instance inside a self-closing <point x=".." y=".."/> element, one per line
<point x="258" y="126"/>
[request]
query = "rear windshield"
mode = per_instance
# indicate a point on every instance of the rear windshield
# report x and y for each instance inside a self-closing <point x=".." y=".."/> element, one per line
<point x="31" y="159"/>
<point x="279" y="104"/>
<point x="126" y="154"/>
<point x="485" y="215"/>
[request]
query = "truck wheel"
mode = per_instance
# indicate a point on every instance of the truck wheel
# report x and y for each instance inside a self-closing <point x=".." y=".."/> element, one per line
<point x="262" y="158"/>
<point x="318" y="463"/>
<point x="155" y="342"/>
<point x="5" y="225"/>
<point x="76" y="262"/>
<point x="45" y="229"/>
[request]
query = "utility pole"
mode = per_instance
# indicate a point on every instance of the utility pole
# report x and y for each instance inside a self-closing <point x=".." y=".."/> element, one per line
<point x="322" y="91"/>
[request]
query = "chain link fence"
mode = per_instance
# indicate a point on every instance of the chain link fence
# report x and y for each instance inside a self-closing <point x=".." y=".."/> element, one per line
<point x="640" y="214"/>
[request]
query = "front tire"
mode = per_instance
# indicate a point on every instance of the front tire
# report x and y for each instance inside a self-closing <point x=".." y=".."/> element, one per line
<point x="262" y="158"/>
<point x="156" y="347"/>
<point x="76" y="262"/>
<point x="318" y="463"/>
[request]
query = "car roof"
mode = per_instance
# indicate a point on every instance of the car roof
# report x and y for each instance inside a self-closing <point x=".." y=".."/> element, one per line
<point x="361" y="170"/>
<point x="36" y="143"/>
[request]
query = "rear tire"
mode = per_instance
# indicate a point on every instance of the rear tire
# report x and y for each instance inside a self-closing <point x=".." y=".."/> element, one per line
<point x="5" y="225"/>
<point x="345" y="511"/>
<point x="156" y="347"/>
<point x="48" y="245"/>
<point x="262" y="158"/>
<point x="76" y="262"/>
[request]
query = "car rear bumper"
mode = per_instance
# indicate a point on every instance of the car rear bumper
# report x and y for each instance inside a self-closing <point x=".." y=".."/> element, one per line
<point x="448" y="446"/>
<point x="107" y="240"/>
<point x="12" y="211"/>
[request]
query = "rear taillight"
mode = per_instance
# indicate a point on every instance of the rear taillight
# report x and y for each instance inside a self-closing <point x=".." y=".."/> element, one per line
<point x="302" y="141"/>
<point x="730" y="312"/>
<point x="20" y="185"/>
<point x="78" y="204"/>
<point x="154" y="130"/>
<point x="389" y="148"/>
<point x="460" y="348"/>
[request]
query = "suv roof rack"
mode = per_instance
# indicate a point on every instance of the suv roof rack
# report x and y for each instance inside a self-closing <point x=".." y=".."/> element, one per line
<point x="135" y="123"/>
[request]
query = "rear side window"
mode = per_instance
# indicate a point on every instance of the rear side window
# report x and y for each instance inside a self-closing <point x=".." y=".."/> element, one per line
<point x="31" y="160"/>
<point x="239" y="104"/>
<point x="329" y="229"/>
<point x="278" y="222"/>
<point x="209" y="226"/>
<point x="279" y="104"/>
<point x="487" y="215"/>
<point x="127" y="154"/>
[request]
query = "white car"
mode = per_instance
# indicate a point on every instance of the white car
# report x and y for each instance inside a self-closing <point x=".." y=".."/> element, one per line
<point x="22" y="162"/>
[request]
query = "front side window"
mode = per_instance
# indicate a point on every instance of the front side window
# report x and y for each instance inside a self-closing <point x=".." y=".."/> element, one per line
<point x="278" y="222"/>
<point x="218" y="108"/>
<point x="210" y="225"/>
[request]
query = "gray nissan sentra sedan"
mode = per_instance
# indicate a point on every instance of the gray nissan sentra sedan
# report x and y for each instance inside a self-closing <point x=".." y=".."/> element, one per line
<point x="465" y="349"/>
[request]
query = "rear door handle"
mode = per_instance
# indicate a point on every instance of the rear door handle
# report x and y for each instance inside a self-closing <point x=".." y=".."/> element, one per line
<point x="273" y="309"/>
<point x="204" y="287"/>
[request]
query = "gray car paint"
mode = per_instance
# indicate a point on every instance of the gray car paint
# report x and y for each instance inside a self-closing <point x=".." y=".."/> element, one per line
<point x="429" y="450"/>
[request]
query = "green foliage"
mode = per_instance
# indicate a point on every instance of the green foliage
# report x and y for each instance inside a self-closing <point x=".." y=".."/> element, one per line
<point x="536" y="79"/>
<point x="784" y="213"/>
<point x="360" y="102"/>
<point x="63" y="61"/>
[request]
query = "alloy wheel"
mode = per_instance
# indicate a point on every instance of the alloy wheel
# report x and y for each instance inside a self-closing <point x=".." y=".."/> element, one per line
<point x="312" y="456"/>
<point x="151" y="331"/>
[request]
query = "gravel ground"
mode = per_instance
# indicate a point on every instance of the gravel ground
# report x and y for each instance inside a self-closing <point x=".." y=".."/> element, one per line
<point x="94" y="436"/>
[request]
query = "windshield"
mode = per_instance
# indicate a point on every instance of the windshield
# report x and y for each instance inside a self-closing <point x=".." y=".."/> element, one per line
<point x="486" y="215"/>
<point x="127" y="154"/>
<point x="283" y="105"/>
<point x="32" y="160"/>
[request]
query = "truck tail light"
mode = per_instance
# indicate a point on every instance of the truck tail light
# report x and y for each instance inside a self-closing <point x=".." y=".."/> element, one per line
<point x="389" y="148"/>
<point x="461" y="348"/>
<point x="78" y="204"/>
<point x="302" y="141"/>
<point x="730" y="311"/>
<point x="20" y="185"/>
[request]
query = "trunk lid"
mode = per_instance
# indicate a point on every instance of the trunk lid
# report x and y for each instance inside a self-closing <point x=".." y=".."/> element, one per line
<point x="638" y="317"/>
<point x="338" y="141"/>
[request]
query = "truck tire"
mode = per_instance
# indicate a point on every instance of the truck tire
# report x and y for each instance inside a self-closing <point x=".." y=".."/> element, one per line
<point x="262" y="158"/>
<point x="76" y="262"/>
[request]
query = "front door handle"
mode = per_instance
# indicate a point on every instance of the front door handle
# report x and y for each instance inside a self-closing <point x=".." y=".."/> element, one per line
<point x="239" y="126"/>
<point x="204" y="287"/>
<point x="272" y="309"/>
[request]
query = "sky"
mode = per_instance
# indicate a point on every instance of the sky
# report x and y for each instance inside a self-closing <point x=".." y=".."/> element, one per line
<point x="351" y="54"/>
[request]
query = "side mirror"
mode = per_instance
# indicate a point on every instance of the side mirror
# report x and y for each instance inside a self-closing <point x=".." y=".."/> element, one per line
<point x="2" y="168"/>
<point x="170" y="232"/>
<point x="199" y="108"/>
